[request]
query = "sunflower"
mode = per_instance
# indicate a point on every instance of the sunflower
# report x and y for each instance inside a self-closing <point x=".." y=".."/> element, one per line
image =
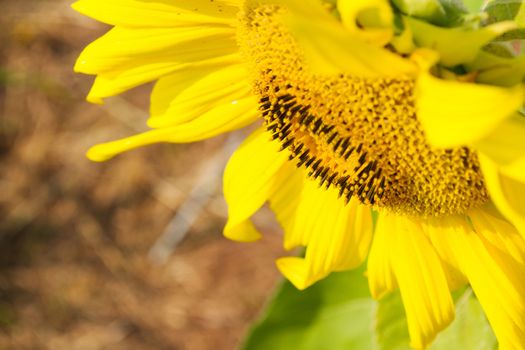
<point x="408" y="111"/>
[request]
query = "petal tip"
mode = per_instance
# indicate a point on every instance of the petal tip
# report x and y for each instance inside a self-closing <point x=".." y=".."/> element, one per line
<point x="99" y="154"/>
<point x="294" y="269"/>
<point x="244" y="232"/>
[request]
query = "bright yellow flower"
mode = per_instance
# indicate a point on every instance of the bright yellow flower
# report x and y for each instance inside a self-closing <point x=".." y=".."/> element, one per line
<point x="363" y="107"/>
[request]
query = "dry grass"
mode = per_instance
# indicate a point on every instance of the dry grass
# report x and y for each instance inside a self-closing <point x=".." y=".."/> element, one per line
<point x="75" y="236"/>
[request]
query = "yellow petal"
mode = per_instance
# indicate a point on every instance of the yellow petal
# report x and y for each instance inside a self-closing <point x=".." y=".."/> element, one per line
<point x="303" y="8"/>
<point x="148" y="13"/>
<point x="455" y="45"/>
<point x="404" y="42"/>
<point x="250" y="178"/>
<point x="164" y="54"/>
<point x="286" y="198"/>
<point x="499" y="232"/>
<point x="244" y="231"/>
<point x="497" y="280"/>
<point x="505" y="145"/>
<point x="372" y="20"/>
<point x="168" y="87"/>
<point x="433" y="228"/>
<point x="454" y="113"/>
<point x="311" y="196"/>
<point x="381" y="279"/>
<point x="505" y="192"/>
<point x="295" y="269"/>
<point x="329" y="48"/>
<point x="350" y="240"/>
<point x="121" y="48"/>
<point x="106" y="85"/>
<point x="218" y="87"/>
<point x="337" y="235"/>
<point x="221" y="119"/>
<point x="422" y="282"/>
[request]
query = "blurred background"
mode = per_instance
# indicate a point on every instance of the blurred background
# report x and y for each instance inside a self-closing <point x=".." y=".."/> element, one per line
<point x="126" y="254"/>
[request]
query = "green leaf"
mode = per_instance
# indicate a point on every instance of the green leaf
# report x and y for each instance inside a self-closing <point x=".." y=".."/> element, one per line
<point x="336" y="313"/>
<point x="391" y="325"/>
<point x="470" y="330"/>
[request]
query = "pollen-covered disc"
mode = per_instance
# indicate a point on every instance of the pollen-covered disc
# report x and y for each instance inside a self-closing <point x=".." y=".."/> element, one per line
<point x="361" y="135"/>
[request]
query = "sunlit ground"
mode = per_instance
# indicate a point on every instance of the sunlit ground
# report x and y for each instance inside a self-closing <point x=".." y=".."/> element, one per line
<point x="86" y="260"/>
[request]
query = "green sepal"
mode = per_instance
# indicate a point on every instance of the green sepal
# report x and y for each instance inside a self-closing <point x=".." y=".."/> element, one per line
<point x="498" y="49"/>
<point x="445" y="13"/>
<point x="474" y="6"/>
<point x="495" y="68"/>
<point x="515" y="34"/>
<point x="505" y="10"/>
<point x="455" y="45"/>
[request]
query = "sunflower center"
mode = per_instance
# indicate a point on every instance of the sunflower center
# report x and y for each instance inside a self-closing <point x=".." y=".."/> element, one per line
<point x="360" y="135"/>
